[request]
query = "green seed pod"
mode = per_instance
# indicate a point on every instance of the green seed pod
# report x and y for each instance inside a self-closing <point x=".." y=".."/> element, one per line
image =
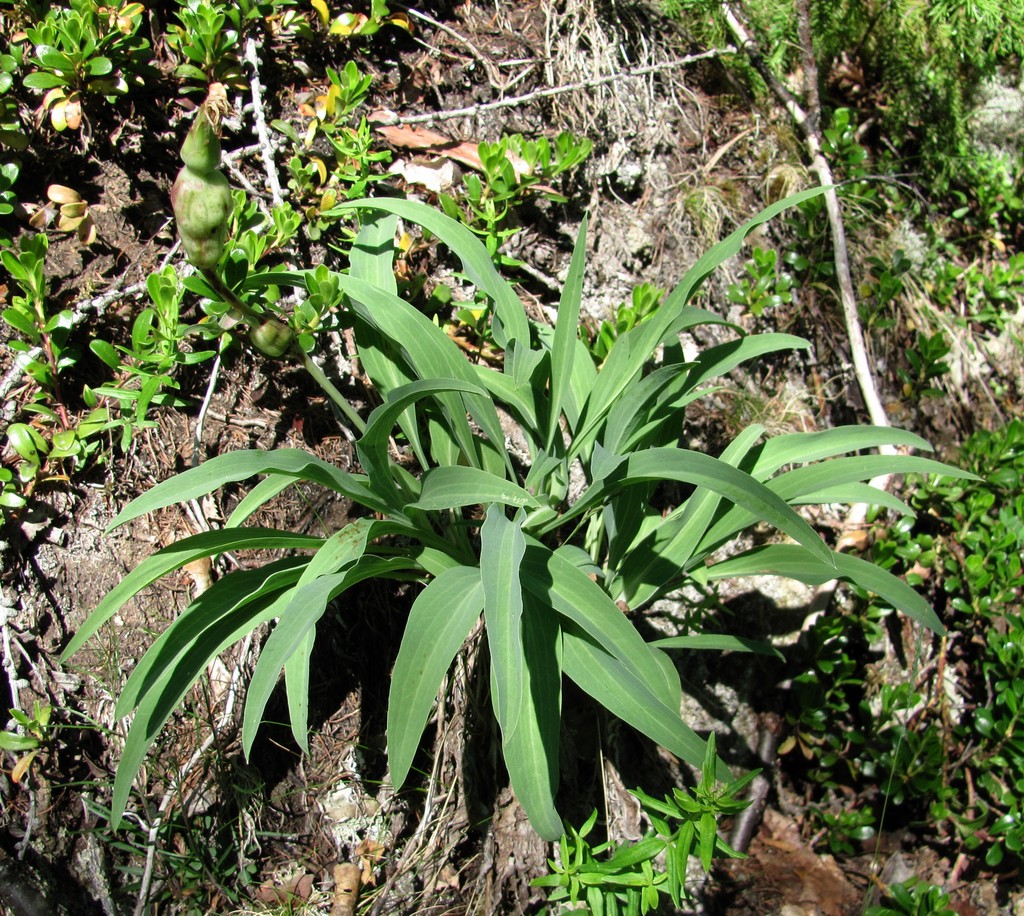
<point x="272" y="338"/>
<point x="201" y="150"/>
<point x="202" y="205"/>
<point x="201" y="195"/>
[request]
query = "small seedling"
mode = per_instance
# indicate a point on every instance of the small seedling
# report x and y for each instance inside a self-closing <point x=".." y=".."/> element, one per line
<point x="766" y="286"/>
<point x="28" y="738"/>
<point x="629" y="878"/>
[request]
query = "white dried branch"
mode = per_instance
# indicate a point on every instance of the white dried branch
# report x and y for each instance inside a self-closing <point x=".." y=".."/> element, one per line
<point x="260" y="118"/>
<point x="820" y="166"/>
<point x="79" y="312"/>
<point x="552" y="91"/>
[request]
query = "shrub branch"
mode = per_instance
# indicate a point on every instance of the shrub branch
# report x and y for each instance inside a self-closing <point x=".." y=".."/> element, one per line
<point x="808" y="124"/>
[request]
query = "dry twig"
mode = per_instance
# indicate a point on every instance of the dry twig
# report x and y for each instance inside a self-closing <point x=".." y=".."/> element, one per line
<point x="260" y="118"/>
<point x="808" y="124"/>
<point x="552" y="91"/>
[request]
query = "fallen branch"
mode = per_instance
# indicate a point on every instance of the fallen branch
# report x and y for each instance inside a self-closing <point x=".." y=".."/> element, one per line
<point x="808" y="124"/>
<point x="260" y="118"/>
<point x="390" y="118"/>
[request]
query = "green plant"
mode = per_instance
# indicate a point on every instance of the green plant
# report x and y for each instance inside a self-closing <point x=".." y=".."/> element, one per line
<point x="356" y="23"/>
<point x="207" y="39"/>
<point x="145" y="369"/>
<point x="549" y="558"/>
<point x="355" y="161"/>
<point x="846" y="830"/>
<point x="988" y="188"/>
<point x="912" y="66"/>
<point x="925" y="358"/>
<point x="644" y="302"/>
<point x="913" y="898"/>
<point x="764" y="286"/>
<point x="12" y="131"/>
<point x="628" y="878"/>
<point x="963" y="765"/>
<point x="85" y="48"/>
<point x="34" y="732"/>
<point x="200" y="862"/>
<point x="8" y="198"/>
<point x="44" y="352"/>
<point x="511" y="170"/>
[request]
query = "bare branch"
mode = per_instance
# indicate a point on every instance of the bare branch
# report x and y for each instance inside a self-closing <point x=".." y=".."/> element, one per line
<point x="552" y="91"/>
<point x="262" y="132"/>
<point x="821" y="167"/>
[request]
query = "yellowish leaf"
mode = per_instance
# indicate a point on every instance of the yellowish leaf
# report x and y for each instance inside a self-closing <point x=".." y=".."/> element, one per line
<point x="73" y="113"/>
<point x="76" y="210"/>
<point x="68" y="223"/>
<point x="61" y="194"/>
<point x="322" y="11"/>
<point x="21" y="767"/>
<point x="87" y="231"/>
<point x="349" y="24"/>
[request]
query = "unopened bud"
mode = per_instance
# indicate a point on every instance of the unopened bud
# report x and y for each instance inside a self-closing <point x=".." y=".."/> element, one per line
<point x="272" y="337"/>
<point x="201" y="195"/>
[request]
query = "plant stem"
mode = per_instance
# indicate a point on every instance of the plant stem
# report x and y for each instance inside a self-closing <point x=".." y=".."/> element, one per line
<point x="228" y="295"/>
<point x="250" y="317"/>
<point x="328" y="386"/>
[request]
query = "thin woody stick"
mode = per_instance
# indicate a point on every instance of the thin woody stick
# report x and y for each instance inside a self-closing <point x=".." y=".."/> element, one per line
<point x="552" y="91"/>
<point x="821" y="167"/>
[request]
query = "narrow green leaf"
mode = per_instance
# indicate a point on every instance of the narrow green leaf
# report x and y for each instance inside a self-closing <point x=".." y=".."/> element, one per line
<point x="667" y="550"/>
<point x="218" y="618"/>
<point x="206" y="544"/>
<point x="705" y="471"/>
<point x="623" y="367"/>
<point x="531" y="748"/>
<point x="502" y="546"/>
<point x="652" y="401"/>
<point x="721" y="359"/>
<point x="825" y="474"/>
<point x="563" y="349"/>
<point x="296" y="682"/>
<point x="793" y="562"/>
<point x="306" y="606"/>
<point x="307" y="603"/>
<point x="719" y="642"/>
<point x="802" y="448"/>
<point x="372" y="447"/>
<point x="511" y="323"/>
<point x="257" y="497"/>
<point x="207" y="611"/>
<point x="521" y="401"/>
<point x="555" y="580"/>
<point x="852" y="493"/>
<point x="455" y="486"/>
<point x="439" y="622"/>
<point x="431" y="354"/>
<point x="372" y="257"/>
<point x="725" y="249"/>
<point x="241" y="465"/>
<point x="616" y="688"/>
<point x="708" y="831"/>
